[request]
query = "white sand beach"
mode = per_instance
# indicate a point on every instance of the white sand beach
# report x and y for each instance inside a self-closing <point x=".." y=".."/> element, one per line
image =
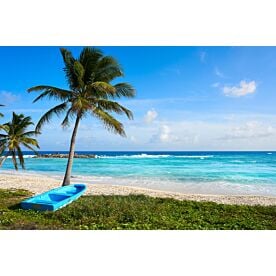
<point x="40" y="183"/>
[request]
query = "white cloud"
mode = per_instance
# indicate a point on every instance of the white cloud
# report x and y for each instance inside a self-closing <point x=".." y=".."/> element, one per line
<point x="238" y="132"/>
<point x="219" y="73"/>
<point x="8" y="97"/>
<point x="243" y="89"/>
<point x="132" y="138"/>
<point x="251" y="129"/>
<point x="165" y="134"/>
<point x="150" y="116"/>
<point x="202" y="56"/>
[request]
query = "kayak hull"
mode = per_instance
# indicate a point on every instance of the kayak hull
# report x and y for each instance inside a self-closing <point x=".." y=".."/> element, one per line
<point x="54" y="199"/>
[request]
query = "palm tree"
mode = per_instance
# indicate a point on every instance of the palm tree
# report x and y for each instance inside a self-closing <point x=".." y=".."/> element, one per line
<point x="90" y="93"/>
<point x="15" y="137"/>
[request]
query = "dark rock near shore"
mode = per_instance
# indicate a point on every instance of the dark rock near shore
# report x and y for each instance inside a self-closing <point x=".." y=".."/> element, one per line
<point x="61" y="155"/>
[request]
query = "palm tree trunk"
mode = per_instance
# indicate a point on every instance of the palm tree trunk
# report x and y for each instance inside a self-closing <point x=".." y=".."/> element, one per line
<point x="67" y="176"/>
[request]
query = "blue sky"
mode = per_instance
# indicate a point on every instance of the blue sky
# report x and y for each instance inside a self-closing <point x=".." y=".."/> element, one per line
<point x="188" y="98"/>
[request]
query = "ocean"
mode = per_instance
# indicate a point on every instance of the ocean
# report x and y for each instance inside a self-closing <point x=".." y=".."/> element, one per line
<point x="230" y="173"/>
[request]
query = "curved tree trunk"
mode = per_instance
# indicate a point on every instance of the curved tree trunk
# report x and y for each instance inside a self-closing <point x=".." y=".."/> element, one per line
<point x="67" y="176"/>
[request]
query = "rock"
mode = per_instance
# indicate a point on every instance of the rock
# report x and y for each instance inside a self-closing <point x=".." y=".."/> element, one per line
<point x="61" y="155"/>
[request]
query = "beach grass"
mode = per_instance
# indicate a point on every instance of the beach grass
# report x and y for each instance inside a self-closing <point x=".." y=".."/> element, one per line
<point x="133" y="212"/>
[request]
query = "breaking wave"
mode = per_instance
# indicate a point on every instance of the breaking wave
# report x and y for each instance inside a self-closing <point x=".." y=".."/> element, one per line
<point x="25" y="156"/>
<point x="144" y="155"/>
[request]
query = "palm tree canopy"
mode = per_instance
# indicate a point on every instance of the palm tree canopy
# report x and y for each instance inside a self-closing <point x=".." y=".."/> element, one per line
<point x="15" y="135"/>
<point x="90" y="90"/>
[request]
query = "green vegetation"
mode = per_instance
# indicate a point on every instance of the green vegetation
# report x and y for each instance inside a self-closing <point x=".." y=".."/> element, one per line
<point x="133" y="212"/>
<point x="16" y="135"/>
<point x="90" y="93"/>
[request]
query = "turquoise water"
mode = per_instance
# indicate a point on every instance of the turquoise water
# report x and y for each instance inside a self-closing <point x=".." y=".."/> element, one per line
<point x="200" y="172"/>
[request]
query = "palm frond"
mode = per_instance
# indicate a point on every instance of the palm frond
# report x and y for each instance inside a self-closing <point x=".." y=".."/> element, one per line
<point x="25" y="121"/>
<point x="66" y="121"/>
<point x="109" y="121"/>
<point x="50" y="92"/>
<point x="2" y="148"/>
<point x="89" y="58"/>
<point x="114" y="107"/>
<point x="79" y="72"/>
<point x="108" y="69"/>
<point x="57" y="110"/>
<point x="30" y="133"/>
<point x="19" y="123"/>
<point x="29" y="147"/>
<point x="5" y="127"/>
<point x="70" y="73"/>
<point x="3" y="158"/>
<point x="124" y="90"/>
<point x="1" y="114"/>
<point x="101" y="89"/>
<point x="31" y="141"/>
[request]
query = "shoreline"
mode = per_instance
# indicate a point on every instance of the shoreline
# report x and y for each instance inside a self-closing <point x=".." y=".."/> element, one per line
<point x="40" y="183"/>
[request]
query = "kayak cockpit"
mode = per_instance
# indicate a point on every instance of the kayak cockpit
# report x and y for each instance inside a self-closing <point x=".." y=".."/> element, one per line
<point x="54" y="199"/>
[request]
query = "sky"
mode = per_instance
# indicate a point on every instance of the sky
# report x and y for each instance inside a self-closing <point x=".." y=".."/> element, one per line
<point x="187" y="98"/>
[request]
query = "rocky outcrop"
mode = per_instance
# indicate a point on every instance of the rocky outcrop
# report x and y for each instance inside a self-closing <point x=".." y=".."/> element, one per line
<point x="62" y="155"/>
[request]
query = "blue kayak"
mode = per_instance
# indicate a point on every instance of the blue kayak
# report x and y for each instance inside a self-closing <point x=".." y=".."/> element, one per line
<point x="54" y="199"/>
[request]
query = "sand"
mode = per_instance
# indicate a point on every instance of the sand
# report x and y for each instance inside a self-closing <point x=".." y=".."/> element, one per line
<point x="39" y="183"/>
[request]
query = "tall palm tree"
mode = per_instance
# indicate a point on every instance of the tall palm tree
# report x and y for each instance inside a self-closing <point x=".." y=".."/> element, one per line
<point x="17" y="135"/>
<point x="90" y="93"/>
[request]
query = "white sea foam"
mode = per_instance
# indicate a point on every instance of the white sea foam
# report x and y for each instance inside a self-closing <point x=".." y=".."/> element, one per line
<point x="167" y="184"/>
<point x="144" y="155"/>
<point x="25" y="156"/>
<point x="194" y="156"/>
<point x="28" y="156"/>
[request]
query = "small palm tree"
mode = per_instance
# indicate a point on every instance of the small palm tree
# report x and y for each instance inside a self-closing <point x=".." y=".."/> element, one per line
<point x="90" y="93"/>
<point x="16" y="135"/>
